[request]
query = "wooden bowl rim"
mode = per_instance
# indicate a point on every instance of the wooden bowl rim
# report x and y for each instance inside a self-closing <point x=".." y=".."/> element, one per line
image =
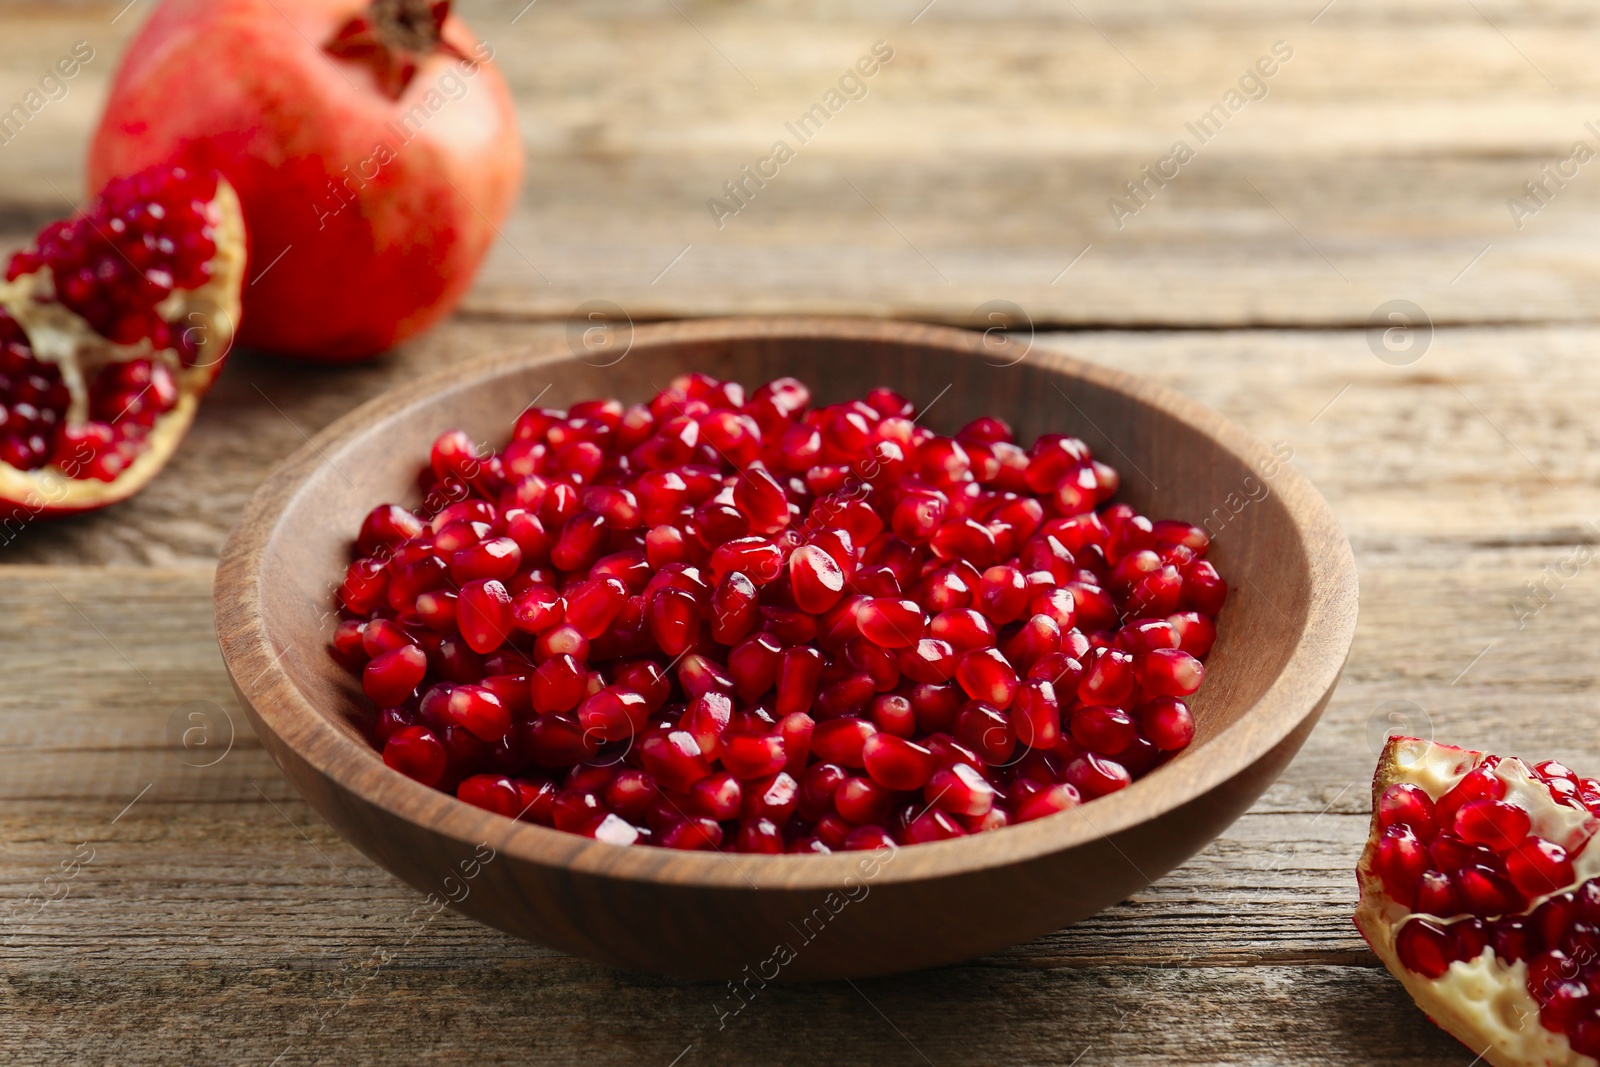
<point x="254" y="665"/>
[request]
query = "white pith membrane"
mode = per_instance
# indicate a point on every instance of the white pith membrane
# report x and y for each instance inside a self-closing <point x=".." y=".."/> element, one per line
<point x="1483" y="1003"/>
<point x="60" y="336"/>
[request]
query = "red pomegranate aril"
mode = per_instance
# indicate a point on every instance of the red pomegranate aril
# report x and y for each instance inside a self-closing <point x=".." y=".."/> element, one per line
<point x="1424" y="947"/>
<point x="891" y="623"/>
<point x="841" y="740"/>
<point x="932" y="826"/>
<point x="556" y="740"/>
<point x="1480" y="783"/>
<point x="757" y="558"/>
<point x="1002" y="594"/>
<point x="479" y="711"/>
<point x="1537" y="867"/>
<point x="674" y="620"/>
<point x="1434" y="895"/>
<point x="484" y="610"/>
<point x="592" y="605"/>
<point x="761" y="500"/>
<point x="1170" y="672"/>
<point x="1103" y="730"/>
<point x="799" y="672"/>
<point x="415" y="752"/>
<point x="698" y="834"/>
<point x="962" y="629"/>
<point x="1036" y="714"/>
<point x="1494" y="823"/>
<point x="706" y="718"/>
<point x="392" y="677"/>
<point x="984" y="674"/>
<point x="558" y="685"/>
<point x="563" y="640"/>
<point x="673" y="757"/>
<point x="1169" y="725"/>
<point x="1481" y="891"/>
<point x="717" y="796"/>
<point x="492" y="792"/>
<point x="1095" y="776"/>
<point x="1108" y="677"/>
<point x="613" y="714"/>
<point x="386" y="526"/>
<point x="815" y="579"/>
<point x="893" y="714"/>
<point x="895" y="763"/>
<point x="752" y="757"/>
<point x="1048" y="801"/>
<point x="986" y="731"/>
<point x="1203" y="589"/>
<point x="1399" y="861"/>
<point x="862" y="800"/>
<point x="735" y="608"/>
<point x="960" y="790"/>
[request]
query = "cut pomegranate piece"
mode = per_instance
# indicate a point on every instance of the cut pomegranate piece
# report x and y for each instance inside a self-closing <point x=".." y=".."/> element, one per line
<point x="113" y="325"/>
<point x="1481" y="894"/>
<point x="761" y="627"/>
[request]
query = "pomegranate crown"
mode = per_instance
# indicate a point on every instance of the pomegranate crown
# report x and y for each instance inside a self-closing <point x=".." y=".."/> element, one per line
<point x="393" y="36"/>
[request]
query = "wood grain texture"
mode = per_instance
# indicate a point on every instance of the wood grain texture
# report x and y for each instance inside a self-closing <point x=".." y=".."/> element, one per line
<point x="214" y="913"/>
<point x="980" y="162"/>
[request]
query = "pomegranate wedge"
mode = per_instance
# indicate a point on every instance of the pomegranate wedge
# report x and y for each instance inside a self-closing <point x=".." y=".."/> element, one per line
<point x="113" y="324"/>
<point x="1481" y="893"/>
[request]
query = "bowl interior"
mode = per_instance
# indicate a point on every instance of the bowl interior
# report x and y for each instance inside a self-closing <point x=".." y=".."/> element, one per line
<point x="1176" y="460"/>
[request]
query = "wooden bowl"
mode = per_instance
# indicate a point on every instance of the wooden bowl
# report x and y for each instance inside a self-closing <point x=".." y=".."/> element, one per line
<point x="1284" y="635"/>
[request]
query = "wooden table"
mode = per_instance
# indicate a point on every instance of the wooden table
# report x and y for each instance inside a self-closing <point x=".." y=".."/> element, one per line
<point x="220" y="920"/>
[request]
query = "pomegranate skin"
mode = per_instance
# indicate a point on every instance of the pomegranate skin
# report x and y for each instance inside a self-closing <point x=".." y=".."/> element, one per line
<point x="382" y="209"/>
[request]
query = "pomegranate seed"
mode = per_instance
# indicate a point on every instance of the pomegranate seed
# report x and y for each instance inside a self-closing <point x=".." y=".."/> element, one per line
<point x="985" y="675"/>
<point x="1036" y="715"/>
<point x="1537" y="866"/>
<point x="415" y="752"/>
<point x="891" y="623"/>
<point x="1424" y="948"/>
<point x="1048" y="801"/>
<point x="674" y="620"/>
<point x="896" y="763"/>
<point x="734" y="609"/>
<point x="492" y="792"/>
<point x="1167" y="722"/>
<point x="391" y="677"/>
<point x="479" y="711"/>
<point x="1494" y="823"/>
<point x="485" y="610"/>
<point x="863" y="800"/>
<point x="841" y="740"/>
<point x="1103" y="730"/>
<point x="1399" y="862"/>
<point x="1171" y="672"/>
<point x="986" y="731"/>
<point x="753" y="757"/>
<point x="959" y="790"/>
<point x="799" y="671"/>
<point x="1094" y="776"/>
<point x="673" y="757"/>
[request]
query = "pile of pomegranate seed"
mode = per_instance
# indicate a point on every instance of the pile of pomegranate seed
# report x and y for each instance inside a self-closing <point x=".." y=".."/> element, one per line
<point x="750" y="624"/>
<point x="1469" y="867"/>
<point x="144" y="237"/>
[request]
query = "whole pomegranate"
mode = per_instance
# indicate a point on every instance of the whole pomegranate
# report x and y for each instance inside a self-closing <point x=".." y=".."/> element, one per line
<point x="373" y="146"/>
<point x="113" y="324"/>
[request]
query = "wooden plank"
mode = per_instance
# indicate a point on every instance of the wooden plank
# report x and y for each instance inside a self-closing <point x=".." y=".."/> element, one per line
<point x="1378" y="166"/>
